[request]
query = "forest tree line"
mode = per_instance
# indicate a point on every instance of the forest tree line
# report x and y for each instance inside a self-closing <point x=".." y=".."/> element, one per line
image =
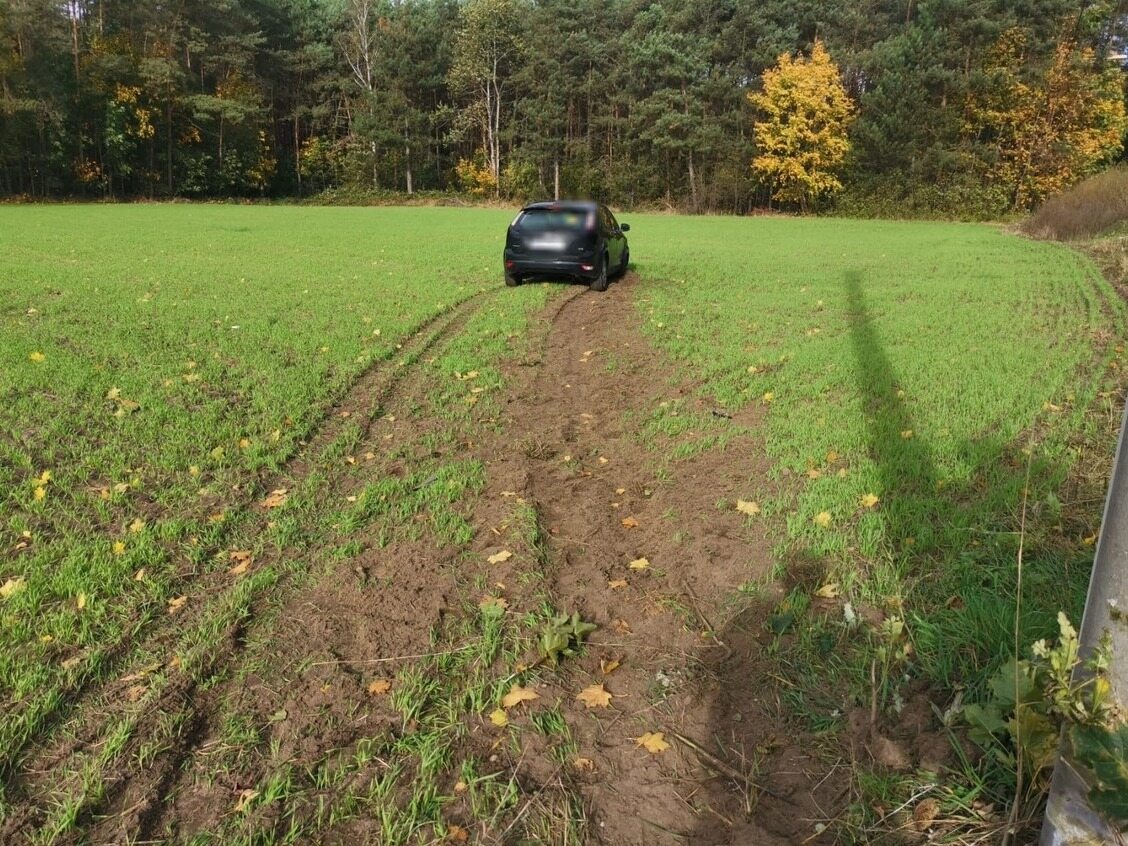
<point x="953" y="106"/>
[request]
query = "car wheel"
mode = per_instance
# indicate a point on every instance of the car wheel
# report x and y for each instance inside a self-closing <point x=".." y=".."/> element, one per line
<point x="625" y="263"/>
<point x="512" y="280"/>
<point x="599" y="283"/>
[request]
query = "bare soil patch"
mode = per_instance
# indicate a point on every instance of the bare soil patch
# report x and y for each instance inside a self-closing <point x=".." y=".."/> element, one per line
<point x="689" y="661"/>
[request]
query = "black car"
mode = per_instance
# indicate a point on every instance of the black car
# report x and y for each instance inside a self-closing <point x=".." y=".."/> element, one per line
<point x="578" y="240"/>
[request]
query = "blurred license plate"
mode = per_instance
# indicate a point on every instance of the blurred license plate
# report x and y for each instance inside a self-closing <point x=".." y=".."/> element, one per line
<point x="547" y="244"/>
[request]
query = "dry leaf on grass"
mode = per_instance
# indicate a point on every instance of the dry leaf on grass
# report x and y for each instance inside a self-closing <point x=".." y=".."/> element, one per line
<point x="517" y="695"/>
<point x="924" y="813"/>
<point x="500" y="557"/>
<point x="11" y="587"/>
<point x="242" y="559"/>
<point x="653" y="742"/>
<point x="640" y="564"/>
<point x="176" y="604"/>
<point x="746" y="507"/>
<point x="245" y="798"/>
<point x="80" y="601"/>
<point x="583" y="764"/>
<point x="869" y="500"/>
<point x="379" y="687"/>
<point x="276" y="499"/>
<point x="828" y="591"/>
<point x="617" y="584"/>
<point x="608" y="666"/>
<point x="457" y="834"/>
<point x="595" y="696"/>
<point x="630" y="523"/>
<point x="822" y="519"/>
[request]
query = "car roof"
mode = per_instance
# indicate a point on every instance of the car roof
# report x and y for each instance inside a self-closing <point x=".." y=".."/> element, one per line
<point x="563" y="205"/>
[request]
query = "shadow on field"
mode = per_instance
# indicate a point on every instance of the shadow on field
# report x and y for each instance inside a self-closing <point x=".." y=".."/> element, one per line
<point x="951" y="541"/>
<point x="903" y="461"/>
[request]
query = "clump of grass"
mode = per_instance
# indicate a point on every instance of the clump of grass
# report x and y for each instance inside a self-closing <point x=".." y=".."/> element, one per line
<point x="1090" y="208"/>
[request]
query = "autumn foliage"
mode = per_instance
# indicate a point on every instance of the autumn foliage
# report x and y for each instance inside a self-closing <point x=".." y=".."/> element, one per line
<point x="1049" y="131"/>
<point x="802" y="136"/>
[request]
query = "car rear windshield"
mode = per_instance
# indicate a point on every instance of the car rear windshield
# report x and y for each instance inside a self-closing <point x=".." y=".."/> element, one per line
<point x="555" y="220"/>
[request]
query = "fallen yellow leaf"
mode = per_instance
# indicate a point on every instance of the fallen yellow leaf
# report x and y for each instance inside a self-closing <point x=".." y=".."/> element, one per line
<point x="37" y="356"/>
<point x="119" y="547"/>
<point x="746" y="507"/>
<point x="616" y="584"/>
<point x="768" y="396"/>
<point x="137" y="525"/>
<point x="499" y="718"/>
<point x="45" y="477"/>
<point x="640" y="564"/>
<point x="907" y="433"/>
<point x="176" y="604"/>
<point x="832" y="456"/>
<point x="80" y="601"/>
<point x="457" y="834"/>
<point x="653" y="742"/>
<point x="40" y="493"/>
<point x="629" y="522"/>
<point x="245" y="798"/>
<point x="583" y="764"/>
<point x="379" y="687"/>
<point x="11" y="587"/>
<point x="500" y="557"/>
<point x="822" y="519"/>
<point x="595" y="696"/>
<point x="828" y="591"/>
<point x="869" y="500"/>
<point x="517" y="695"/>
<point x="242" y="559"/>
<point x="608" y="666"/>
<point x="276" y="499"/>
<point x="139" y="576"/>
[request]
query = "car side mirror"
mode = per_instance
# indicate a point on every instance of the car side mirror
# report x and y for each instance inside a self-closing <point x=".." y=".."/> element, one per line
<point x="624" y="227"/>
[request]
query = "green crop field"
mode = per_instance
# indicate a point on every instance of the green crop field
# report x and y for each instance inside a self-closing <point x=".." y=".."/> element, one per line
<point x="188" y="388"/>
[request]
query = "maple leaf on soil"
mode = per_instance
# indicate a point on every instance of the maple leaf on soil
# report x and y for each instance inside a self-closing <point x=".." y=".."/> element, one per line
<point x="517" y="695"/>
<point x="595" y="696"/>
<point x="379" y="687"/>
<point x="653" y="742"/>
<point x="749" y="508"/>
<point x="640" y="564"/>
<point x="500" y="557"/>
<point x="630" y="523"/>
<point x="499" y="718"/>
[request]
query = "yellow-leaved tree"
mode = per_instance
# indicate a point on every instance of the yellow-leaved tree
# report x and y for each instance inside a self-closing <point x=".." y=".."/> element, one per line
<point x="802" y="136"/>
<point x="1047" y="131"/>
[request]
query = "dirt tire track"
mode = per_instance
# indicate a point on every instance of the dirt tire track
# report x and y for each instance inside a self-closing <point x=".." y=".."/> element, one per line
<point x="585" y="472"/>
<point x="97" y="705"/>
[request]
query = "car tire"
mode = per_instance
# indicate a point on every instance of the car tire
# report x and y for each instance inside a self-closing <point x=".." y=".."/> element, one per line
<point x="512" y="281"/>
<point x="625" y="263"/>
<point x="599" y="283"/>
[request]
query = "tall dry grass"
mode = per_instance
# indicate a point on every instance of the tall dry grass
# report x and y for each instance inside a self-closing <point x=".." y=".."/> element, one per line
<point x="1088" y="209"/>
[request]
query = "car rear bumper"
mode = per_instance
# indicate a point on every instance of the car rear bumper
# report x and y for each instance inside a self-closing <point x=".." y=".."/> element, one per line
<point x="575" y="267"/>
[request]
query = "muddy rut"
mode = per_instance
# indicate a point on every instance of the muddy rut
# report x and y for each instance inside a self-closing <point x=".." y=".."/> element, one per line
<point x="689" y="662"/>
